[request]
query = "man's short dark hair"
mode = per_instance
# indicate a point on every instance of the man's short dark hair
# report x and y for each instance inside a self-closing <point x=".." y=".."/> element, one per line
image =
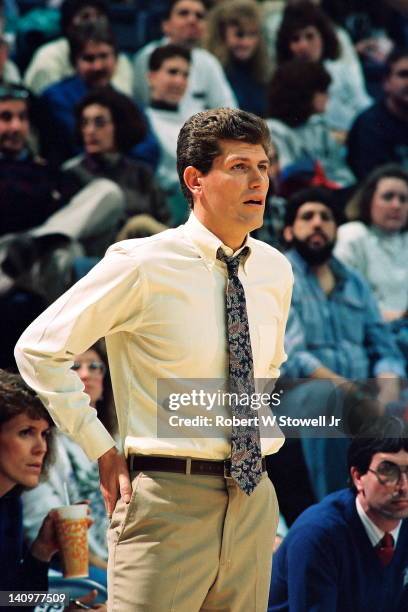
<point x="172" y="3"/>
<point x="17" y="398"/>
<point x="198" y="143"/>
<point x="395" y="56"/>
<point x="302" y="15"/>
<point x="96" y="31"/>
<point x="383" y="435"/>
<point x="70" y="8"/>
<point x="129" y="124"/>
<point x="292" y="90"/>
<point x="322" y="195"/>
<point x="161" y="54"/>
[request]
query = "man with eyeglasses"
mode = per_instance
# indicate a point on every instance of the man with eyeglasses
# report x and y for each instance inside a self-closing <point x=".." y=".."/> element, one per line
<point x="379" y="135"/>
<point x="184" y="25"/>
<point x="349" y="553"/>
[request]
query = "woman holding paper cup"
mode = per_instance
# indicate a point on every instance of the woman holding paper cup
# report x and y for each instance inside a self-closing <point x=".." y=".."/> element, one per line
<point x="26" y="434"/>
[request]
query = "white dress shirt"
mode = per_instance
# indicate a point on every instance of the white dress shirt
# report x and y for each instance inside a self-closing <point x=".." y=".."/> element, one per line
<point x="374" y="533"/>
<point x="160" y="303"/>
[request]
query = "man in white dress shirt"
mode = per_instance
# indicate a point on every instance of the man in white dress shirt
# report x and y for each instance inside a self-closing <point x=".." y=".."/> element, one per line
<point x="184" y="534"/>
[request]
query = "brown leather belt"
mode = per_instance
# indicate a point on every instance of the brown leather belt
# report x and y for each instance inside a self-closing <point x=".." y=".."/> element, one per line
<point x="141" y="463"/>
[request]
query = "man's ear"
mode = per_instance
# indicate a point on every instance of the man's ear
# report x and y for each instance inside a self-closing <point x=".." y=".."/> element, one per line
<point x="192" y="179"/>
<point x="356" y="478"/>
<point x="288" y="233"/>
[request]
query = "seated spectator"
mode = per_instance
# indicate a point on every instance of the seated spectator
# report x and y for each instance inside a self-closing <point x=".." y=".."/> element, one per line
<point x="350" y="552"/>
<point x="235" y="39"/>
<point x="109" y="126"/>
<point x="376" y="244"/>
<point x="93" y="53"/>
<point x="334" y="335"/>
<point x="25" y="455"/>
<point x="307" y="33"/>
<point x="39" y="236"/>
<point x="184" y="25"/>
<point x="298" y="95"/>
<point x="51" y="62"/>
<point x="169" y="68"/>
<point x="73" y="467"/>
<point x="9" y="72"/>
<point x="379" y="135"/>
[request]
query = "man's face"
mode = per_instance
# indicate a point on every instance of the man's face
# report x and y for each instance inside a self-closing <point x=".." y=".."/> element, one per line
<point x="389" y="206"/>
<point x="396" y="84"/>
<point x="383" y="501"/>
<point x="97" y="130"/>
<point x="231" y="197"/>
<point x="313" y="232"/>
<point x="23" y="445"/>
<point x="307" y="44"/>
<point x="96" y="64"/>
<point x="186" y="23"/>
<point x="169" y="82"/>
<point x="14" y="126"/>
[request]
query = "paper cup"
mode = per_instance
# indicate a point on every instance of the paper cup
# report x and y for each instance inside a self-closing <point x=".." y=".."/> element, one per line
<point x="72" y="533"/>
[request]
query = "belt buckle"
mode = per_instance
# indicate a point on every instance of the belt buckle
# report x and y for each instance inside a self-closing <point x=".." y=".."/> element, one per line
<point x="227" y="468"/>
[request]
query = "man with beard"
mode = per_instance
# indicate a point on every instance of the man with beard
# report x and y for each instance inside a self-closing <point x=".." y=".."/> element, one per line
<point x="335" y="339"/>
<point x="350" y="552"/>
<point x="379" y="135"/>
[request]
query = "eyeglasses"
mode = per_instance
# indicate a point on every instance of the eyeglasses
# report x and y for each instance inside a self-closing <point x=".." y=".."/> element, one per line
<point x="389" y="473"/>
<point x="95" y="368"/>
<point x="186" y="12"/>
<point x="98" y="122"/>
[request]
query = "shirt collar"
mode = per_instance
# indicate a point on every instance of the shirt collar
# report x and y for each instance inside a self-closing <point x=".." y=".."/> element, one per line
<point x="374" y="533"/>
<point x="207" y="243"/>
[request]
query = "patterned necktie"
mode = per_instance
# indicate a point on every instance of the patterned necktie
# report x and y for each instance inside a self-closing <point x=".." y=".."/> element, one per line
<point x="385" y="549"/>
<point x="246" y="458"/>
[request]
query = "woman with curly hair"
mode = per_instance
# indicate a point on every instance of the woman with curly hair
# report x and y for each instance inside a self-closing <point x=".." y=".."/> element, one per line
<point x="298" y="95"/>
<point x="235" y="38"/>
<point x="307" y="33"/>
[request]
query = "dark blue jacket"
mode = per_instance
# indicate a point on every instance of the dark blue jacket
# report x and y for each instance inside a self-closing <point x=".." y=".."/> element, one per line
<point x="17" y="572"/>
<point x="377" y="137"/>
<point x="326" y="563"/>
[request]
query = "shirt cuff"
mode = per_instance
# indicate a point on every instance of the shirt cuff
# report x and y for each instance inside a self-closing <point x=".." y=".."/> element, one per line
<point x="94" y="439"/>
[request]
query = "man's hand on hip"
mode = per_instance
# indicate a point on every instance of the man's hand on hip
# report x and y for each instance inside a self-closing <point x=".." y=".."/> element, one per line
<point x="114" y="477"/>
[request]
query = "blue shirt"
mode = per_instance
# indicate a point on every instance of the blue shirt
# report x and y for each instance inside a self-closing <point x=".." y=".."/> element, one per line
<point x="342" y="331"/>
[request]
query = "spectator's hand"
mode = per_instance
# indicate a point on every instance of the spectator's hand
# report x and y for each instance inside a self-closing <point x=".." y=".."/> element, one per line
<point x="114" y="477"/>
<point x="388" y="388"/>
<point x="45" y="545"/>
<point x="85" y="602"/>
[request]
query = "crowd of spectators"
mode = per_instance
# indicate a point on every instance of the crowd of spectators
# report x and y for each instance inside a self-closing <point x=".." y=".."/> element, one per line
<point x="88" y="137"/>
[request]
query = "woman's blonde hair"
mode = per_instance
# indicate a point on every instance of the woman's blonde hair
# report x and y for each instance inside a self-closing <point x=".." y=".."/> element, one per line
<point x="240" y="13"/>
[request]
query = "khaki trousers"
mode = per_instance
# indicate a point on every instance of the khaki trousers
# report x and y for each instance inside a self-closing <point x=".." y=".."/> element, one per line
<point x="189" y="543"/>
